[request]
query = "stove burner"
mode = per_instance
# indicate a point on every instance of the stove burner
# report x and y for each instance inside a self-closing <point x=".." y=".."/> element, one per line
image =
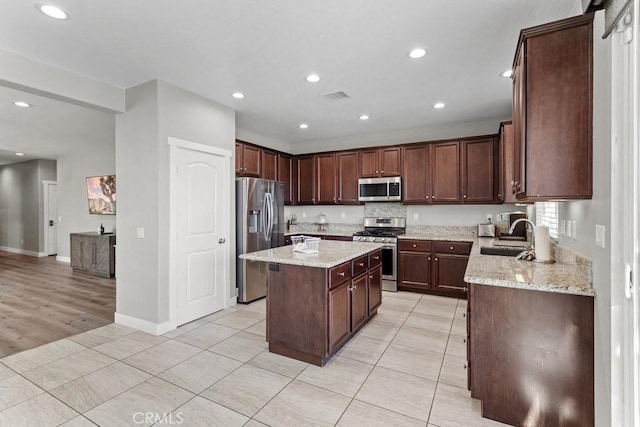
<point x="380" y="232"/>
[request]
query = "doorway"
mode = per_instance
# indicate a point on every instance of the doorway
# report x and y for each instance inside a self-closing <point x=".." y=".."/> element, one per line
<point x="50" y="203"/>
<point x="200" y="229"/>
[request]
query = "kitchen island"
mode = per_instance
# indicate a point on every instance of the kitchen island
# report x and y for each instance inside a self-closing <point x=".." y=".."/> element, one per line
<point x="317" y="302"/>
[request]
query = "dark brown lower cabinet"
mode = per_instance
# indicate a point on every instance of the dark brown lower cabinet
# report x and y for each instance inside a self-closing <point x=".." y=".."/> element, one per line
<point x="530" y="356"/>
<point x="435" y="267"/>
<point x="312" y="312"/>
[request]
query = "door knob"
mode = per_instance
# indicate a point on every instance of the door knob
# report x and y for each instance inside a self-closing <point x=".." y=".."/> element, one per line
<point x="221" y="240"/>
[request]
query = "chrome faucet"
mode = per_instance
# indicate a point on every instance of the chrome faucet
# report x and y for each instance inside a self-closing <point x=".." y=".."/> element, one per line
<point x="533" y="226"/>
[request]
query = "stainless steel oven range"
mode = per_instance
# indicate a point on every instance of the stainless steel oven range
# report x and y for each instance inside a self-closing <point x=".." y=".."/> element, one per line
<point x="385" y="231"/>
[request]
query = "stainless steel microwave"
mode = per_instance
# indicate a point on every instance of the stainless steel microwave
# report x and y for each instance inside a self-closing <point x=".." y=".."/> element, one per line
<point x="380" y="189"/>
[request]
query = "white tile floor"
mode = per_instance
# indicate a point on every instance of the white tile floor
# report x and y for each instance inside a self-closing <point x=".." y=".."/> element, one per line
<point x="405" y="368"/>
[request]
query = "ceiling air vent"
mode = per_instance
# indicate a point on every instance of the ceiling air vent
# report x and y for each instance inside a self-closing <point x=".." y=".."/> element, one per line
<point x="336" y="96"/>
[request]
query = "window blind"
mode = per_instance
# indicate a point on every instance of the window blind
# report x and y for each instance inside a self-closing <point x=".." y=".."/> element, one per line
<point x="547" y="214"/>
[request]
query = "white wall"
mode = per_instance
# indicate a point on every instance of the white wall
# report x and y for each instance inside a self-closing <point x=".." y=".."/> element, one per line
<point x="156" y="111"/>
<point x="588" y="213"/>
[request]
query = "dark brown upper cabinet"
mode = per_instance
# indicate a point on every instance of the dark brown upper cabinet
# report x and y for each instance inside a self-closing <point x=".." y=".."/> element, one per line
<point x="306" y="182"/>
<point x="248" y="160"/>
<point x="326" y="177"/>
<point x="416" y="180"/>
<point x="347" y="177"/>
<point x="380" y="162"/>
<point x="269" y="165"/>
<point x="479" y="164"/>
<point x="553" y="111"/>
<point x="506" y="181"/>
<point x="445" y="166"/>
<point x="286" y="174"/>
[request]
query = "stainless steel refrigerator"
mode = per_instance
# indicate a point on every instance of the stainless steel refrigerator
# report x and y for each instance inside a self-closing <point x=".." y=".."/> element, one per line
<point x="259" y="225"/>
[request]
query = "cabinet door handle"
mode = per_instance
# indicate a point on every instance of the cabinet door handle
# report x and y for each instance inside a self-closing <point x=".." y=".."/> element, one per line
<point x="414" y="246"/>
<point x="451" y="248"/>
<point x="464" y="197"/>
<point x="465" y="290"/>
<point x="376" y="171"/>
<point x="381" y="171"/>
<point x="376" y="257"/>
<point x="433" y="197"/>
<point x="361" y="264"/>
<point x="354" y="287"/>
<point x="341" y="273"/>
<point x="429" y="259"/>
<point x="370" y="276"/>
<point x="436" y="259"/>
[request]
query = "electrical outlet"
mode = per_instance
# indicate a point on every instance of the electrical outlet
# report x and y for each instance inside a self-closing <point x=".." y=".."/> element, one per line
<point x="600" y="235"/>
<point x="563" y="228"/>
<point x="489" y="217"/>
<point x="140" y="232"/>
<point x="415" y="216"/>
<point x="568" y="230"/>
<point x="343" y="215"/>
<point x="304" y="214"/>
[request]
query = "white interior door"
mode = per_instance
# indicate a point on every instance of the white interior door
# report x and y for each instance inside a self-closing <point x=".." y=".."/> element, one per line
<point x="200" y="190"/>
<point x="52" y="219"/>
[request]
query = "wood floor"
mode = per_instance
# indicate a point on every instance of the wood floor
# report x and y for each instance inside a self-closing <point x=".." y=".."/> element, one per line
<point x="42" y="300"/>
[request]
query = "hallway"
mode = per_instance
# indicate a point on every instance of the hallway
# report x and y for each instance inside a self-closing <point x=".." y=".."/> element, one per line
<point x="42" y="300"/>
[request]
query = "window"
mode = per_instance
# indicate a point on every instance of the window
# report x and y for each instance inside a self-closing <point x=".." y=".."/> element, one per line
<point x="547" y="214"/>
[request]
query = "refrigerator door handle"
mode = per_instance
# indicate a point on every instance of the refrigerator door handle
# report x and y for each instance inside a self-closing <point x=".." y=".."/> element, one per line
<point x="269" y="199"/>
<point x="263" y="217"/>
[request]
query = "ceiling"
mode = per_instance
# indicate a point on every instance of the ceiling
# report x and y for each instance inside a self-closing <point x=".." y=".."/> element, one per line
<point x="265" y="49"/>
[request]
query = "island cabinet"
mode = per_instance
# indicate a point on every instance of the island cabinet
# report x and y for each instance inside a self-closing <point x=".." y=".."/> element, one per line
<point x="435" y="267"/>
<point x="93" y="253"/>
<point x="312" y="312"/>
<point x="380" y="162"/>
<point x="553" y="111"/>
<point x="530" y="355"/>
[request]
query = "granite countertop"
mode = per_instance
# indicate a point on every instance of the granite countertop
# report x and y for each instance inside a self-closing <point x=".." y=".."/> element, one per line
<point x="494" y="270"/>
<point x="331" y="253"/>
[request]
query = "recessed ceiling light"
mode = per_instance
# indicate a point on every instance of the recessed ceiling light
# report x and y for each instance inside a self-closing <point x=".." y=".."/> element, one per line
<point x="506" y="74"/>
<point x="303" y="125"/>
<point x="22" y="104"/>
<point x="52" y="11"/>
<point x="364" y="117"/>
<point x="313" y="78"/>
<point x="238" y="95"/>
<point x="438" y="105"/>
<point x="19" y="154"/>
<point x="417" y="53"/>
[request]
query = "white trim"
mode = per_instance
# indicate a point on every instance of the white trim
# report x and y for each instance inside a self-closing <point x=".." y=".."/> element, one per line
<point x="22" y="251"/>
<point x="45" y="205"/>
<point x="143" y="325"/>
<point x="231" y="302"/>
<point x="63" y="259"/>
<point x="174" y="144"/>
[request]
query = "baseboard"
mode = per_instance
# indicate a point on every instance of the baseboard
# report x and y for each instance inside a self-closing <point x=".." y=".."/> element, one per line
<point x="63" y="259"/>
<point x="21" y="251"/>
<point x="232" y="302"/>
<point x="143" y="325"/>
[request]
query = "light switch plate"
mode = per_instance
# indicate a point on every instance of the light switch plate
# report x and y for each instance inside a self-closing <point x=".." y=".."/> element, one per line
<point x="574" y="233"/>
<point x="415" y="216"/>
<point x="304" y="214"/>
<point x="343" y="215"/>
<point x="600" y="235"/>
<point x="568" y="230"/>
<point x="140" y="232"/>
<point x="563" y="227"/>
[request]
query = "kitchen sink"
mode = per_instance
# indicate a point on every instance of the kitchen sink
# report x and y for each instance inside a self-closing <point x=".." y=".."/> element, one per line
<point x="503" y="250"/>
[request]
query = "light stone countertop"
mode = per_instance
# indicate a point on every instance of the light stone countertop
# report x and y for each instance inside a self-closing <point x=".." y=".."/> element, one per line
<point x="495" y="270"/>
<point x="319" y="233"/>
<point x="331" y="253"/>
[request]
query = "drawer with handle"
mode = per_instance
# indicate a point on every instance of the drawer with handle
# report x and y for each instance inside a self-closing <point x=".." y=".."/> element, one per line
<point x="339" y="274"/>
<point x="414" y="245"/>
<point x="459" y="248"/>
<point x="360" y="265"/>
<point x="375" y="258"/>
